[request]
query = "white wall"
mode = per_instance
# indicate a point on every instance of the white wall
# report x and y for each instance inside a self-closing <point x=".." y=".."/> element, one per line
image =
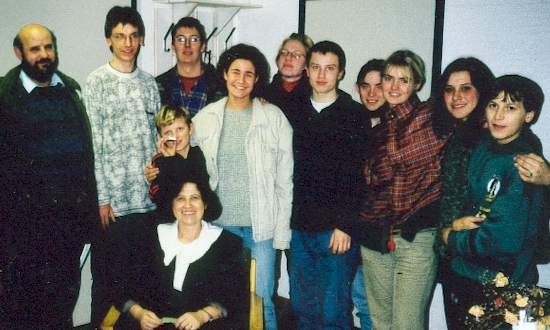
<point x="77" y="24"/>
<point x="368" y="29"/>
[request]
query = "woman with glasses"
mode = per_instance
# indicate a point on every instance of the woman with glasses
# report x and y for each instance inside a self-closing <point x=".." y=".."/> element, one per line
<point x="401" y="212"/>
<point x="290" y="84"/>
<point x="248" y="151"/>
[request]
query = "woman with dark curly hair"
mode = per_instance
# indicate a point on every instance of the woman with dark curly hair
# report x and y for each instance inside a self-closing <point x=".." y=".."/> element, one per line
<point x="248" y="151"/>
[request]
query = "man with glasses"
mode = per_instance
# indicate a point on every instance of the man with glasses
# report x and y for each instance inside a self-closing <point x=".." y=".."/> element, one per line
<point x="191" y="83"/>
<point x="122" y="102"/>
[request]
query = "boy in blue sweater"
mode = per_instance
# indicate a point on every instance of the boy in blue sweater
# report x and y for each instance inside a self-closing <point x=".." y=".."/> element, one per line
<point x="500" y="225"/>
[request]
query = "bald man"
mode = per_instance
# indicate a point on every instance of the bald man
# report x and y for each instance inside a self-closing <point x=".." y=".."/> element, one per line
<point x="47" y="190"/>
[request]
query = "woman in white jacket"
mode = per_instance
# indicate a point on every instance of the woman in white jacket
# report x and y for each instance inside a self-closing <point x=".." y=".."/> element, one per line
<point x="248" y="151"/>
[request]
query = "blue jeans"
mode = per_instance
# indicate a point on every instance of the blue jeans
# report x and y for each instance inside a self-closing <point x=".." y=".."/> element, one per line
<point x="264" y="253"/>
<point x="359" y="297"/>
<point x="320" y="282"/>
<point x="399" y="284"/>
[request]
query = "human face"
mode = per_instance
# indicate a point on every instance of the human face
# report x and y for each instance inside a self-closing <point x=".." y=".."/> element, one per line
<point x="461" y="97"/>
<point x="293" y="63"/>
<point x="398" y="85"/>
<point x="506" y="118"/>
<point x="188" y="206"/>
<point x="181" y="131"/>
<point x="186" y="51"/>
<point x="38" y="58"/>
<point x="124" y="43"/>
<point x="240" y="78"/>
<point x="370" y="91"/>
<point x="324" y="73"/>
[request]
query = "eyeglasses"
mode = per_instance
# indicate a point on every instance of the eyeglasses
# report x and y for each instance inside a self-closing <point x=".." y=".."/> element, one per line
<point x="294" y="55"/>
<point x="182" y="40"/>
<point x="120" y="38"/>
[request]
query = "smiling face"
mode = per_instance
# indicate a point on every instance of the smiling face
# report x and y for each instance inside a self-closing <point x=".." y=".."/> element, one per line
<point x="182" y="132"/>
<point x="186" y="51"/>
<point x="188" y="206"/>
<point x="398" y="85"/>
<point x="293" y="63"/>
<point x="506" y="118"/>
<point x="461" y="96"/>
<point x="240" y="78"/>
<point x="124" y="41"/>
<point x="370" y="91"/>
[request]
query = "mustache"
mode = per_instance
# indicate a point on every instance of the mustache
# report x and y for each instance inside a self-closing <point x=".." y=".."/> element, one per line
<point x="45" y="61"/>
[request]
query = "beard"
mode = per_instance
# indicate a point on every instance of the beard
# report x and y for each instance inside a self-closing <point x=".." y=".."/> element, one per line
<point x="35" y="72"/>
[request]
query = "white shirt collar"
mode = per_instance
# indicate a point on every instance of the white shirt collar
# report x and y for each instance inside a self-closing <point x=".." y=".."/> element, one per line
<point x="31" y="85"/>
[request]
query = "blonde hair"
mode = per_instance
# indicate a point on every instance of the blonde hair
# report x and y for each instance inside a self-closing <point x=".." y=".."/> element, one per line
<point x="169" y="113"/>
<point x="408" y="59"/>
<point x="304" y="39"/>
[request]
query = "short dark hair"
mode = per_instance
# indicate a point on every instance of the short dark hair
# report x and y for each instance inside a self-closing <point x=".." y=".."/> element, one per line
<point x="372" y="65"/>
<point x="189" y="22"/>
<point x="214" y="207"/>
<point x="520" y="89"/>
<point x="326" y="46"/>
<point x="252" y="54"/>
<point x="124" y="15"/>
<point x="482" y="79"/>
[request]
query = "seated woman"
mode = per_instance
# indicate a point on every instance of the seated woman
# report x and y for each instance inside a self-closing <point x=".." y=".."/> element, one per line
<point x="190" y="274"/>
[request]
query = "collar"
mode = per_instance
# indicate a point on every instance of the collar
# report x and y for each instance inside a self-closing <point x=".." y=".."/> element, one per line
<point x="31" y="85"/>
<point x="170" y="244"/>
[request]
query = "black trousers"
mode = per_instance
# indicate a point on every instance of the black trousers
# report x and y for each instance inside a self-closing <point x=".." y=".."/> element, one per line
<point x="40" y="274"/>
<point x="112" y="255"/>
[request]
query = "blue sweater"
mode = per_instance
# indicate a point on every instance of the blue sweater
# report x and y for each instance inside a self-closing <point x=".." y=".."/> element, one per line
<point x="505" y="241"/>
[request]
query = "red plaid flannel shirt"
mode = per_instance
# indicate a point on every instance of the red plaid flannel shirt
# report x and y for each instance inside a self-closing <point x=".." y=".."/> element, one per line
<point x="404" y="172"/>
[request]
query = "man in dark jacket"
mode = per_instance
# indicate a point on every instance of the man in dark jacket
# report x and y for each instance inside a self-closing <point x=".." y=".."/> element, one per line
<point x="48" y="193"/>
<point x="190" y="83"/>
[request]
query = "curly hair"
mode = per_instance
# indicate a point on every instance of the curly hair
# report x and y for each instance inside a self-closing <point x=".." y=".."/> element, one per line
<point x="252" y="54"/>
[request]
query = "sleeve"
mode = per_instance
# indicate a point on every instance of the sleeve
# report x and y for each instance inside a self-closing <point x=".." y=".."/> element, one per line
<point x="284" y="184"/>
<point x="93" y="101"/>
<point x="503" y="233"/>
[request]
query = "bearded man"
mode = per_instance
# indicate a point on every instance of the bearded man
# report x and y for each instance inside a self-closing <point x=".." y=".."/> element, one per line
<point x="48" y="188"/>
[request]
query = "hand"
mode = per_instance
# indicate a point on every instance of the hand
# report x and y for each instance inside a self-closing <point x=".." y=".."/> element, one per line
<point x="192" y="320"/>
<point x="263" y="101"/>
<point x="147" y="319"/>
<point x="467" y="223"/>
<point x="106" y="214"/>
<point x="151" y="173"/>
<point x="340" y="242"/>
<point x="167" y="148"/>
<point x="533" y="169"/>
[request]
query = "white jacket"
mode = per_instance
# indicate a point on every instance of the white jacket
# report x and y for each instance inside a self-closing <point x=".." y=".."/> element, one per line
<point x="270" y="165"/>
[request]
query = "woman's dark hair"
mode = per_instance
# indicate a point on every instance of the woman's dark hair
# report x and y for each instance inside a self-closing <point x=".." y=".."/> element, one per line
<point x="213" y="205"/>
<point x="252" y="54"/>
<point x="372" y="65"/>
<point x="520" y="89"/>
<point x="482" y="79"/>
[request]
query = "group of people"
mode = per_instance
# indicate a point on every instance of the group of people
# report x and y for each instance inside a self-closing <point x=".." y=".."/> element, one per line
<point x="170" y="177"/>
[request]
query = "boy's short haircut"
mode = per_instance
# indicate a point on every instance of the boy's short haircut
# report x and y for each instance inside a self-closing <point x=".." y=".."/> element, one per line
<point x="169" y="113"/>
<point x="190" y="22"/>
<point x="408" y="59"/>
<point x="520" y="89"/>
<point x="124" y="15"/>
<point x="325" y="47"/>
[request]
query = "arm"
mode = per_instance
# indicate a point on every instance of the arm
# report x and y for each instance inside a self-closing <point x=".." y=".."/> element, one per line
<point x="93" y="102"/>
<point x="464" y="223"/>
<point x="284" y="185"/>
<point x="533" y="169"/>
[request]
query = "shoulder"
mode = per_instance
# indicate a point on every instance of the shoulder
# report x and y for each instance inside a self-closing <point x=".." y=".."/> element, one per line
<point x="167" y="75"/>
<point x="69" y="82"/>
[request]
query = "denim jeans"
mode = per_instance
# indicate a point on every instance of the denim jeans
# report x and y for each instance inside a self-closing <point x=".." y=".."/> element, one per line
<point x="264" y="253"/>
<point x="399" y="284"/>
<point x="359" y="297"/>
<point x="320" y="282"/>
